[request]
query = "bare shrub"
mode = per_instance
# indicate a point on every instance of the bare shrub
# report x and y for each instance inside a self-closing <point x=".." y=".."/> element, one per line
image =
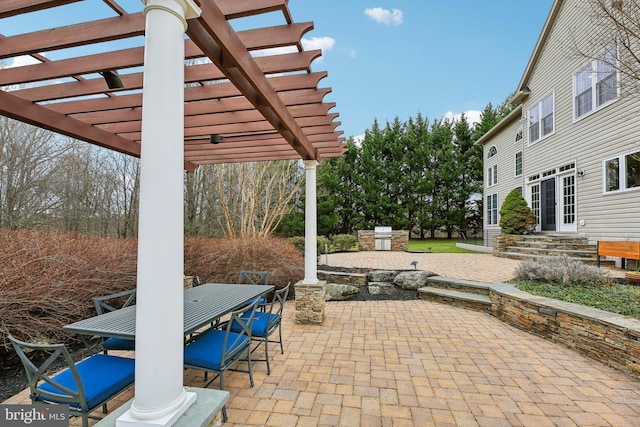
<point x="561" y="269"/>
<point x="220" y="260"/>
<point x="48" y="280"/>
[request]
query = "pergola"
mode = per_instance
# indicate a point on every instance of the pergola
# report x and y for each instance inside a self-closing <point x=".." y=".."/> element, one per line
<point x="121" y="74"/>
<point x="265" y="107"/>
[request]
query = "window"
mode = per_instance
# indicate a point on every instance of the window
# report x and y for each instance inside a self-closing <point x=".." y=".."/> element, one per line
<point x="492" y="152"/>
<point x="492" y="209"/>
<point x="541" y="119"/>
<point x="622" y="173"/>
<point x="596" y="84"/>
<point x="519" y="163"/>
<point x="492" y="175"/>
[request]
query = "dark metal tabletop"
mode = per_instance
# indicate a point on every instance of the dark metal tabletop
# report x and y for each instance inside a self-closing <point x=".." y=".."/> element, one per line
<point x="202" y="305"/>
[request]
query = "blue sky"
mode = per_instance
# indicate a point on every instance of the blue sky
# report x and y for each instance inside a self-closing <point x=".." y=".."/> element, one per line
<point x="434" y="57"/>
<point x="388" y="58"/>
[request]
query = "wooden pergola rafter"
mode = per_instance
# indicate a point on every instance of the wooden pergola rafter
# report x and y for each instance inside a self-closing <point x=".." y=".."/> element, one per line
<point x="265" y="104"/>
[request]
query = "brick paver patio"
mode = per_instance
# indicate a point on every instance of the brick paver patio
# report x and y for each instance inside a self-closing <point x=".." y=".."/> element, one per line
<point x="418" y="363"/>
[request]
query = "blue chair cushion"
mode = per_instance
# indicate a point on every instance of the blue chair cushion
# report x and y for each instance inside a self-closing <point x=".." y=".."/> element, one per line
<point x="206" y="350"/>
<point x="119" y="344"/>
<point x="260" y="326"/>
<point x="261" y="301"/>
<point x="102" y="377"/>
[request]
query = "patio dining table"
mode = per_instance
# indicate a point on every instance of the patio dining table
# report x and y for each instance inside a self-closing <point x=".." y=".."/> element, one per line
<point x="202" y="305"/>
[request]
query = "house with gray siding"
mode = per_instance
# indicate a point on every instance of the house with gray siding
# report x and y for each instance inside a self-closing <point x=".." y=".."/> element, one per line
<point x="572" y="144"/>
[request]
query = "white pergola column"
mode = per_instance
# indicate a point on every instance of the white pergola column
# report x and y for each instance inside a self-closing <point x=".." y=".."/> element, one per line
<point x="160" y="397"/>
<point x="310" y="225"/>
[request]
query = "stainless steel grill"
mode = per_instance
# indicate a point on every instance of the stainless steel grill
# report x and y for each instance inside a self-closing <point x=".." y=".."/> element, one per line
<point x="382" y="238"/>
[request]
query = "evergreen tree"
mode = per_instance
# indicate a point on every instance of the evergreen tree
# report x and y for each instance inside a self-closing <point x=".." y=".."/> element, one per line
<point x="516" y="217"/>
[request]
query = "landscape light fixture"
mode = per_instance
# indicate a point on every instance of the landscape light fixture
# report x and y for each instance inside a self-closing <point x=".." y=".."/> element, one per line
<point x="113" y="79"/>
<point x="215" y="138"/>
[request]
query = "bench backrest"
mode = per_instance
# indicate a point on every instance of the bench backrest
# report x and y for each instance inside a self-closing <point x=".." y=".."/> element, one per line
<point x="629" y="250"/>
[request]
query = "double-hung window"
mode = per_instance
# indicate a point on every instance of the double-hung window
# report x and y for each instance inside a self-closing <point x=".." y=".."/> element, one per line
<point x="541" y="119"/>
<point x="492" y="175"/>
<point x="518" y="165"/>
<point x="622" y="173"/>
<point x="596" y="84"/>
<point x="492" y="209"/>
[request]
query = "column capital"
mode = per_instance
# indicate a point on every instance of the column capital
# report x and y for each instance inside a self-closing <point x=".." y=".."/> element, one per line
<point x="311" y="163"/>
<point x="182" y="9"/>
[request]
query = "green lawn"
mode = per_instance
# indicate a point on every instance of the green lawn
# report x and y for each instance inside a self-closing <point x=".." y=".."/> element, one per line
<point x="441" y="246"/>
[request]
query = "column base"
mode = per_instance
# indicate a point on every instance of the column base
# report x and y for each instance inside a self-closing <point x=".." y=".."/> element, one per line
<point x="205" y="411"/>
<point x="310" y="302"/>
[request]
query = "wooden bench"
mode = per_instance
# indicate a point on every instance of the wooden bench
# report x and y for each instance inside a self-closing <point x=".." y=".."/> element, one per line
<point x="624" y="250"/>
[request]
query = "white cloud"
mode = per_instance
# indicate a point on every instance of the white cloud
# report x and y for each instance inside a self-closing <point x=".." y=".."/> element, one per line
<point x="323" y="43"/>
<point x="23" y="60"/>
<point x="357" y="140"/>
<point x="473" y="116"/>
<point x="385" y="16"/>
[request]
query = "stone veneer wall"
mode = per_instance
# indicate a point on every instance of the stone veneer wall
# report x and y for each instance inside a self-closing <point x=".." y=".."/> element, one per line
<point x="501" y="242"/>
<point x="353" y="279"/>
<point x="310" y="302"/>
<point x="606" y="337"/>
<point x="399" y="240"/>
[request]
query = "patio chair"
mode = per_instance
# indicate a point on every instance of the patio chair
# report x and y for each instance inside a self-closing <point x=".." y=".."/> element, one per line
<point x="253" y="277"/>
<point x="266" y="323"/>
<point x="220" y="350"/>
<point x="248" y="277"/>
<point x="84" y="386"/>
<point x="111" y="303"/>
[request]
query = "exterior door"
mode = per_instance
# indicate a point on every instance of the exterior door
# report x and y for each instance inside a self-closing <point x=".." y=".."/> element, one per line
<point x="568" y="206"/>
<point x="548" y="205"/>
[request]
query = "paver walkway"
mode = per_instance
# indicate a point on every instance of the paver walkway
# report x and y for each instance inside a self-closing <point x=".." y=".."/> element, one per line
<point x="478" y="266"/>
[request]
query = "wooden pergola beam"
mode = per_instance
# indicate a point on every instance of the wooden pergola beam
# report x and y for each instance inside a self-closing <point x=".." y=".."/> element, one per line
<point x="225" y="49"/>
<point x="25" y="111"/>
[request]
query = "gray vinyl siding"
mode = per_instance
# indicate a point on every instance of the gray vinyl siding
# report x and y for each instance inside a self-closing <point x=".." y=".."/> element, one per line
<point x="607" y="132"/>
<point x="507" y="180"/>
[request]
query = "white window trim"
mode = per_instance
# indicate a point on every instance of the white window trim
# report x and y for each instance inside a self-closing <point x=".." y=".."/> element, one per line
<point x="622" y="174"/>
<point x="497" y="211"/>
<point x="595" y="108"/>
<point x="515" y="169"/>
<point x="540" y="117"/>
<point x="490" y="174"/>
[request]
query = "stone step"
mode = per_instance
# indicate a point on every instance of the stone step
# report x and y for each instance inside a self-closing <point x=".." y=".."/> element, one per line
<point x="553" y="238"/>
<point x="535" y="257"/>
<point x="555" y="245"/>
<point x="458" y="285"/>
<point x="456" y="298"/>
<point x="554" y="251"/>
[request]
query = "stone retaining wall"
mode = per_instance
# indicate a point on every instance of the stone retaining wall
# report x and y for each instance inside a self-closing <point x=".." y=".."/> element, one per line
<point x="502" y="241"/>
<point x="353" y="279"/>
<point x="606" y="337"/>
